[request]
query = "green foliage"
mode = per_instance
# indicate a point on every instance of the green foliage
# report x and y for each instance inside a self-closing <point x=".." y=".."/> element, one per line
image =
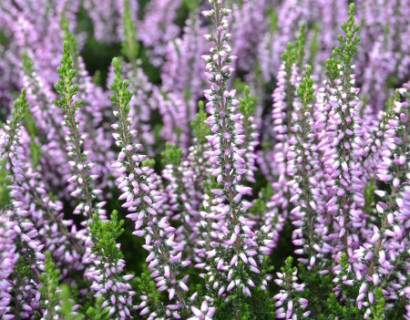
<point x="27" y="63"/>
<point x="289" y="55"/>
<point x="288" y="269"/>
<point x="332" y="70"/>
<point x="260" y="205"/>
<point x="346" y="309"/>
<point x="105" y="235"/>
<point x="199" y="128"/>
<point x="211" y="184"/>
<point x="35" y="152"/>
<point x="97" y="312"/>
<point x="305" y="90"/>
<point x="148" y="163"/>
<point x="65" y="86"/>
<point x="247" y="104"/>
<point x="395" y="97"/>
<point x="67" y="304"/>
<point x="343" y="54"/>
<point x="4" y="182"/>
<point x="300" y="47"/>
<point x="348" y="43"/>
<point x="129" y="46"/>
<point x="144" y="285"/>
<point x="369" y="195"/>
<point x="68" y="36"/>
<point x="21" y="270"/>
<point x="318" y="288"/>
<point x="239" y="306"/>
<point x="121" y="96"/>
<point x="273" y="21"/>
<point x="172" y="155"/>
<point x="191" y="5"/>
<point x="97" y="80"/>
<point x="295" y="52"/>
<point x="314" y="44"/>
<point x="29" y="123"/>
<point x="49" y="287"/>
<point x="377" y="308"/>
<point x="19" y="110"/>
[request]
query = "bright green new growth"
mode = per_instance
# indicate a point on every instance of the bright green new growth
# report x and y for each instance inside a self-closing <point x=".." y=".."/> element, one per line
<point x="129" y="46"/>
<point x="172" y="155"/>
<point x="305" y="90"/>
<point x="247" y="104"/>
<point x="199" y="128"/>
<point x="27" y="63"/>
<point x="300" y="46"/>
<point x="144" y="285"/>
<point x="4" y="182"/>
<point x="148" y="163"/>
<point x="369" y="190"/>
<point x="68" y="36"/>
<point x="18" y="113"/>
<point x="97" y="312"/>
<point x="348" y="46"/>
<point x="105" y="235"/>
<point x="20" y="106"/>
<point x="273" y="21"/>
<point x="261" y="204"/>
<point x="348" y="309"/>
<point x="67" y="304"/>
<point x="121" y="96"/>
<point x="49" y="288"/>
<point x="395" y="97"/>
<point x="314" y="44"/>
<point x="332" y="70"/>
<point x="288" y="269"/>
<point x="377" y="308"/>
<point x="295" y="52"/>
<point x="65" y="86"/>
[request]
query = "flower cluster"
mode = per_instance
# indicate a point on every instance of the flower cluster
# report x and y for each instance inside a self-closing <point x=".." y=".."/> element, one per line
<point x="236" y="160"/>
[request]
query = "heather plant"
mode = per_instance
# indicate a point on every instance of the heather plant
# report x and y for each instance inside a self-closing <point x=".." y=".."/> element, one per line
<point x="204" y="159"/>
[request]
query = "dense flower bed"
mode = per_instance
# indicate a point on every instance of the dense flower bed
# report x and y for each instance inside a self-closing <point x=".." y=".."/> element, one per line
<point x="237" y="160"/>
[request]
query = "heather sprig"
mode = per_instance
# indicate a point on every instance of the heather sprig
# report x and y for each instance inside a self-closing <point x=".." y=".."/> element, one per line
<point x="300" y="158"/>
<point x="49" y="290"/>
<point x="247" y="109"/>
<point x="289" y="303"/>
<point x="199" y="128"/>
<point x="68" y="103"/>
<point x="228" y="165"/>
<point x="138" y="185"/>
<point x="24" y="266"/>
<point x="106" y="273"/>
<point x="129" y="47"/>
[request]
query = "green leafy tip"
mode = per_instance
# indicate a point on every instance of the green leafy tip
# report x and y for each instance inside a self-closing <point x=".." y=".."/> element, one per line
<point x="247" y="104"/>
<point x="105" y="235"/>
<point x="65" y="86"/>
<point x="305" y="90"/>
<point x="129" y="47"/>
<point x="121" y="96"/>
<point x="20" y="106"/>
<point x="199" y="128"/>
<point x="172" y="155"/>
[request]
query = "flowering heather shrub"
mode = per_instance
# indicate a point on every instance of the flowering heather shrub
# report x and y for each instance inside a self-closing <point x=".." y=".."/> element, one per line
<point x="232" y="159"/>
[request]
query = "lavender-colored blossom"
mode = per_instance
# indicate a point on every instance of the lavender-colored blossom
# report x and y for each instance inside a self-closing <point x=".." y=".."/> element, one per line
<point x="139" y="190"/>
<point x="107" y="18"/>
<point x="157" y="28"/>
<point x="8" y="259"/>
<point x="288" y="304"/>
